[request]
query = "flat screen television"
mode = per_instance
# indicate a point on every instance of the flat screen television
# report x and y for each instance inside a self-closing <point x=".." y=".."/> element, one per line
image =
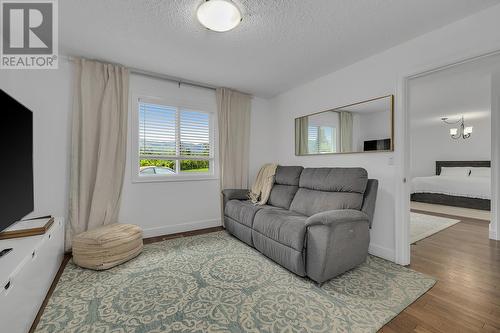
<point x="16" y="168"/>
<point x="383" y="144"/>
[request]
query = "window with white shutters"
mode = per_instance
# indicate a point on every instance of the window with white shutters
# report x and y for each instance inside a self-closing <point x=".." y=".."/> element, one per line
<point x="174" y="141"/>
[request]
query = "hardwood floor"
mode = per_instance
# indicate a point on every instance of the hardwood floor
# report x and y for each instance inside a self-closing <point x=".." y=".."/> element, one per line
<point x="181" y="234"/>
<point x="466" y="297"/>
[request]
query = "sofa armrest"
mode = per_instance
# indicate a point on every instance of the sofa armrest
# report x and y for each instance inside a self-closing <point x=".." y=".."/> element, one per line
<point x="233" y="194"/>
<point x="333" y="217"/>
<point x="337" y="241"/>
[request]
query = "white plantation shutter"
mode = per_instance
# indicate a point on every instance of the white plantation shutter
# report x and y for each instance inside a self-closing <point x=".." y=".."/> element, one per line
<point x="173" y="134"/>
<point x="157" y="131"/>
<point x="194" y="131"/>
<point x="312" y="138"/>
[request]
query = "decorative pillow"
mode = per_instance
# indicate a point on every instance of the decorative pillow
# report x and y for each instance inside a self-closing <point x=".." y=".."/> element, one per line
<point x="484" y="172"/>
<point x="455" y="171"/>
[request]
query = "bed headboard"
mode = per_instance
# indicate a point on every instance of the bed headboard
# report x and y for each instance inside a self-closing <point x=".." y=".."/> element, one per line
<point x="440" y="164"/>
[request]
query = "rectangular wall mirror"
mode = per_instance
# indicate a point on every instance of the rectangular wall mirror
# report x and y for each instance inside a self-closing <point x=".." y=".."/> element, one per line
<point x="356" y="128"/>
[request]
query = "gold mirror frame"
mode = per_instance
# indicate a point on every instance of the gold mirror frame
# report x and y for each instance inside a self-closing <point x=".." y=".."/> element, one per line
<point x="346" y="106"/>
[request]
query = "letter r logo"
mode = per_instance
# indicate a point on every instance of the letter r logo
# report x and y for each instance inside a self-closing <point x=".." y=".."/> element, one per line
<point x="27" y="27"/>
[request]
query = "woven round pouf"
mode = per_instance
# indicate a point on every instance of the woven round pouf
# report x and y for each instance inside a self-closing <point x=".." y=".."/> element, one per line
<point x="107" y="246"/>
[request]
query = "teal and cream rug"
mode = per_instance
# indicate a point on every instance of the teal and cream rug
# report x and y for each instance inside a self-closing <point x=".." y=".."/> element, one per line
<point x="215" y="283"/>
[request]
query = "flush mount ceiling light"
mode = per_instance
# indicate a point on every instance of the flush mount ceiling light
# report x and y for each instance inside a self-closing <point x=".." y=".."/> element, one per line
<point x="219" y="15"/>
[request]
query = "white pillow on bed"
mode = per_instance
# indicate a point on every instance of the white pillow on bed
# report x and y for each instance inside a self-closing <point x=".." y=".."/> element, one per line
<point x="484" y="172"/>
<point x="455" y="171"/>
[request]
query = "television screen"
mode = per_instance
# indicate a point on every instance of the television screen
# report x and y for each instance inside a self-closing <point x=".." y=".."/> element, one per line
<point x="384" y="144"/>
<point x="16" y="170"/>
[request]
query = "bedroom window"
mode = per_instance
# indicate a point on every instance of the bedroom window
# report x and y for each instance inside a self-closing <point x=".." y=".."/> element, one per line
<point x="322" y="140"/>
<point x="174" y="143"/>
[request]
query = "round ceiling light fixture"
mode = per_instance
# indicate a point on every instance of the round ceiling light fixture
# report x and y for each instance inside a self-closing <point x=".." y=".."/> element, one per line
<point x="219" y="15"/>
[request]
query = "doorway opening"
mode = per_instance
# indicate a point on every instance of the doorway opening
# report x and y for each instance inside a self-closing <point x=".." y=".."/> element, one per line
<point x="451" y="116"/>
<point x="450" y="151"/>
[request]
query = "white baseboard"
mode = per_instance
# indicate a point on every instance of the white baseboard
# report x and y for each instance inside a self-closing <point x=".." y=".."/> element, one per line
<point x="382" y="252"/>
<point x="182" y="227"/>
<point x="493" y="235"/>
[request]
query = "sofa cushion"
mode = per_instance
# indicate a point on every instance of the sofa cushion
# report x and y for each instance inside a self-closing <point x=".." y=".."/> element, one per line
<point x="283" y="226"/>
<point x="284" y="255"/>
<point x="323" y="189"/>
<point x="282" y="195"/>
<point x="240" y="231"/>
<point x="334" y="179"/>
<point x="288" y="175"/>
<point x="309" y="202"/>
<point x="242" y="211"/>
<point x="285" y="186"/>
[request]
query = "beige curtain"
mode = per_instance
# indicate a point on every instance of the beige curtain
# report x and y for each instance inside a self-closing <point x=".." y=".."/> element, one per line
<point x="234" y="137"/>
<point x="301" y="135"/>
<point x="99" y="138"/>
<point x="345" y="131"/>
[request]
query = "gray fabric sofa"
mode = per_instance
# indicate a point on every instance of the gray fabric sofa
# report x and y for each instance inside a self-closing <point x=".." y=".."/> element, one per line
<point x="316" y="222"/>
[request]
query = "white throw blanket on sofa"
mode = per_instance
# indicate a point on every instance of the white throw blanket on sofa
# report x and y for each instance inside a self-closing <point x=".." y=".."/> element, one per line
<point x="261" y="189"/>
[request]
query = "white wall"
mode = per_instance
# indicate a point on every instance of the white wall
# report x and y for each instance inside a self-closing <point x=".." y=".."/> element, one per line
<point x="262" y="135"/>
<point x="376" y="76"/>
<point x="47" y="93"/>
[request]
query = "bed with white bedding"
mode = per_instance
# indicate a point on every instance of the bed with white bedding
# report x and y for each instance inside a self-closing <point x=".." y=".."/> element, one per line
<point x="457" y="183"/>
<point x="470" y="187"/>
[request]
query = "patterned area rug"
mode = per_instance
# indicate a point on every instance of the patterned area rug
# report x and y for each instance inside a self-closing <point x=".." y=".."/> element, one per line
<point x="423" y="225"/>
<point x="215" y="283"/>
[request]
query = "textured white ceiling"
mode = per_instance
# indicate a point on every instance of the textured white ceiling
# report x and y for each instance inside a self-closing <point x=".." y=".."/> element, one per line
<point x="280" y="43"/>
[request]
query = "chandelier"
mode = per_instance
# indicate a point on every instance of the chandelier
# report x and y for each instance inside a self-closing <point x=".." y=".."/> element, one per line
<point x="462" y="132"/>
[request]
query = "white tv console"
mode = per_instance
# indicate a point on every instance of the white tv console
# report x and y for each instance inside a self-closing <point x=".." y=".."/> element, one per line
<point x="26" y="274"/>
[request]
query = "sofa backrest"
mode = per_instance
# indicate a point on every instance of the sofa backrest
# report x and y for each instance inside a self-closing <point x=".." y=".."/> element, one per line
<point x="322" y="189"/>
<point x="286" y="184"/>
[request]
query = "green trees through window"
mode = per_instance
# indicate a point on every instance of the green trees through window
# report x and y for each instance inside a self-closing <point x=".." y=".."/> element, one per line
<point x="185" y="165"/>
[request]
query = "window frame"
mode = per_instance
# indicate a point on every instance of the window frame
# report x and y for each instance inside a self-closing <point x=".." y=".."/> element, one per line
<point x="213" y="173"/>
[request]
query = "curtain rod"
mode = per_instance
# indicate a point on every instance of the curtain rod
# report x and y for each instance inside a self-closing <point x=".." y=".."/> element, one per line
<point x="169" y="78"/>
